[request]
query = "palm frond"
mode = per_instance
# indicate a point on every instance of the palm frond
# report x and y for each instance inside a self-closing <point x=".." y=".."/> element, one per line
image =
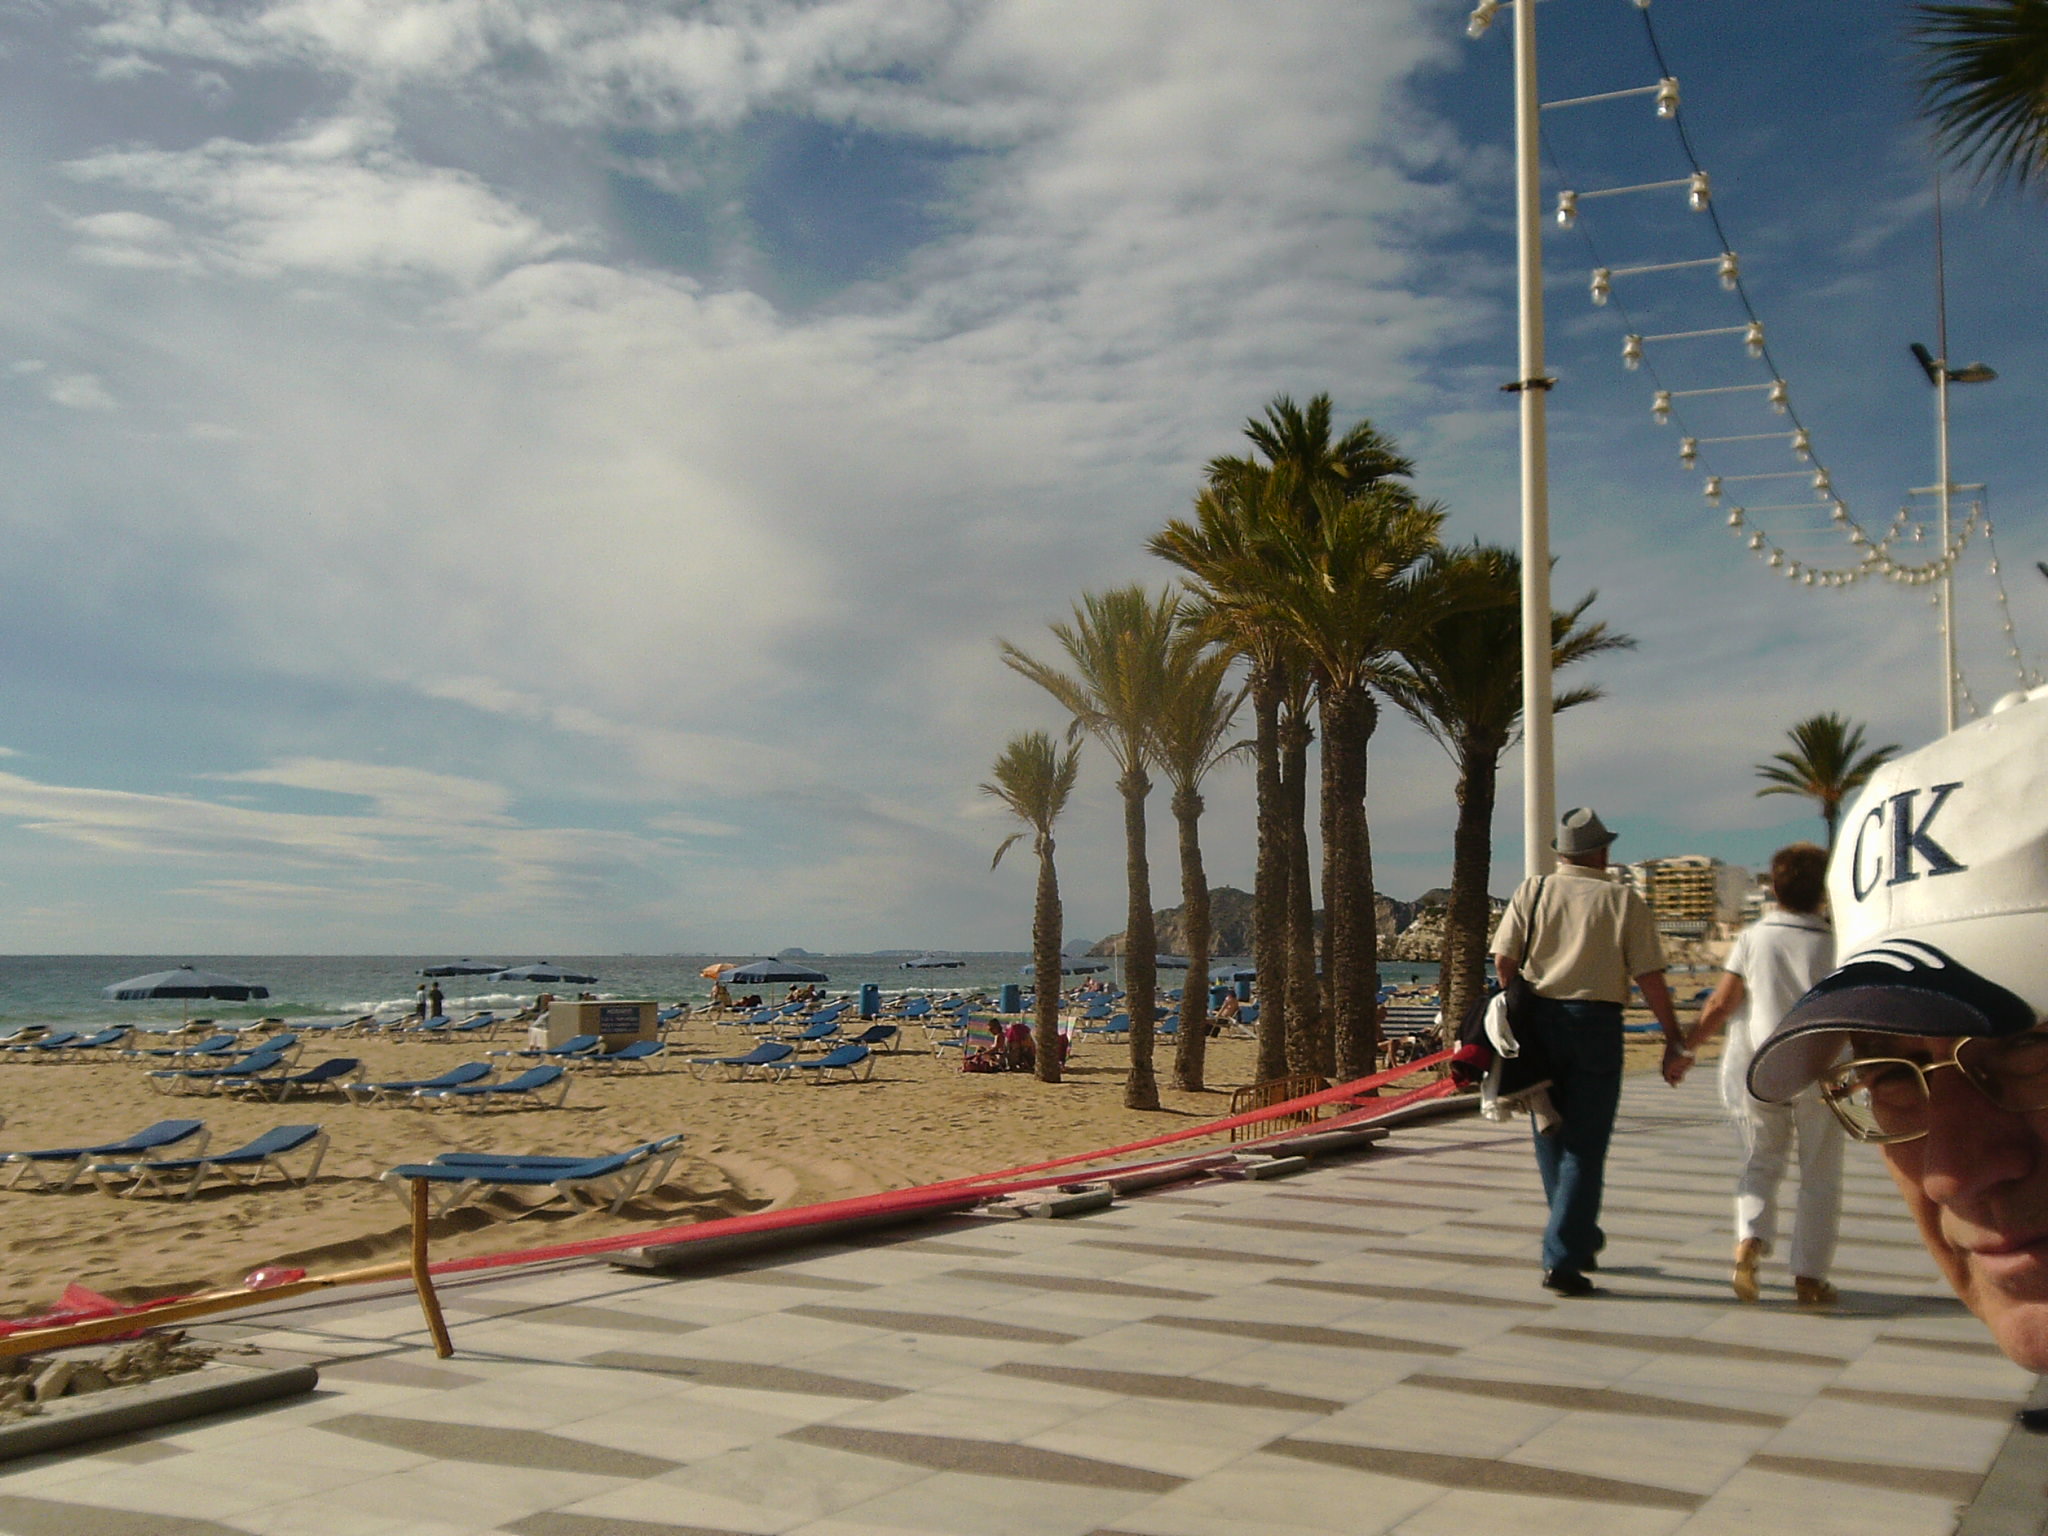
<point x="1984" y="86"/>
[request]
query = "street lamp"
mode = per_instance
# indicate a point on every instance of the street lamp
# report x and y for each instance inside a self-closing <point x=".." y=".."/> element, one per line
<point x="1940" y="375"/>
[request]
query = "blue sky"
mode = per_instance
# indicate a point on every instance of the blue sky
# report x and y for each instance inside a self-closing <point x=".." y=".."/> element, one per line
<point x="488" y="474"/>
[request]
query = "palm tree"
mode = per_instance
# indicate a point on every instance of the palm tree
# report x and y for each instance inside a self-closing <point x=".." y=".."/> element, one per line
<point x="1190" y="738"/>
<point x="1984" y="84"/>
<point x="1219" y="551"/>
<point x="1034" y="779"/>
<point x="1119" y="643"/>
<point x="1827" y="764"/>
<point x="1223" y="553"/>
<point x="1344" y="587"/>
<point x="1460" y="679"/>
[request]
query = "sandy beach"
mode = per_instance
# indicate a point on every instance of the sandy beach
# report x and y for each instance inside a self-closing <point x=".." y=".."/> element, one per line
<point x="752" y="1146"/>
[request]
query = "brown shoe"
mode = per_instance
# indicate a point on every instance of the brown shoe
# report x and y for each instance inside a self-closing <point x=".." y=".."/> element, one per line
<point x="1748" y="1254"/>
<point x="1814" y="1293"/>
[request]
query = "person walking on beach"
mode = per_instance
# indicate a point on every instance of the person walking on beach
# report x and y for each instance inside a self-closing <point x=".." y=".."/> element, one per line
<point x="1581" y="937"/>
<point x="1775" y="962"/>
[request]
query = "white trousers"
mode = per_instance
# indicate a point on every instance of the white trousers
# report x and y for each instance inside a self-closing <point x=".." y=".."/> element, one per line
<point x="1768" y="1133"/>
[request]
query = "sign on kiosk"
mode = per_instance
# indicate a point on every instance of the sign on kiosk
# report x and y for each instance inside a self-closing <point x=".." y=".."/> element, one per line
<point x="617" y="1024"/>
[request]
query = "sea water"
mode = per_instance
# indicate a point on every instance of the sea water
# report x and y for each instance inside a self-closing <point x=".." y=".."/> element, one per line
<point x="65" y="990"/>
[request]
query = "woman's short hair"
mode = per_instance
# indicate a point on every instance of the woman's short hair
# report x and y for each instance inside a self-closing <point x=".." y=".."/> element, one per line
<point x="1799" y="877"/>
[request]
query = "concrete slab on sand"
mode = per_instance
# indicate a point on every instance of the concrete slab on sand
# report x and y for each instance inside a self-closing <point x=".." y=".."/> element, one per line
<point x="1361" y="1348"/>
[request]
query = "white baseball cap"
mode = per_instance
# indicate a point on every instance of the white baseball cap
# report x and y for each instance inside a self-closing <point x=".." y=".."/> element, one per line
<point x="1939" y="887"/>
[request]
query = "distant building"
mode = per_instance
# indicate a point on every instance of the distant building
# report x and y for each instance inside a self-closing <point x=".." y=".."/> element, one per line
<point x="1692" y="895"/>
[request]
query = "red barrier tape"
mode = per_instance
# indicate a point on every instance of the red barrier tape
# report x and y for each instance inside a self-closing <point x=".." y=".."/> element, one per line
<point x="946" y="1191"/>
<point x="896" y="1202"/>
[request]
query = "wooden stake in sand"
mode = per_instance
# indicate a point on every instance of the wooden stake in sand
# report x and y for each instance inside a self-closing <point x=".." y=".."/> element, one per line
<point x="423" y="1277"/>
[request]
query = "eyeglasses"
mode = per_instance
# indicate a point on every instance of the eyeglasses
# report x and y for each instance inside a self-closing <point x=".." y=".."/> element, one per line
<point x="1884" y="1099"/>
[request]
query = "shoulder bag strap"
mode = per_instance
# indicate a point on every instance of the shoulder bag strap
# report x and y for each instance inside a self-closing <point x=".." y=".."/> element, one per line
<point x="1529" y="928"/>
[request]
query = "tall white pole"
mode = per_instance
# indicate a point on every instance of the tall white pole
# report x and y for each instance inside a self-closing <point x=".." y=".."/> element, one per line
<point x="1948" y="585"/>
<point x="1539" y="775"/>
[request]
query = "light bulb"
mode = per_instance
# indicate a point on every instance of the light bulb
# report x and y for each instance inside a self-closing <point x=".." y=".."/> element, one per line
<point x="1688" y="451"/>
<point x="1807" y="579"/>
<point x="1660" y="406"/>
<point x="1632" y="352"/>
<point x="1698" y="192"/>
<point x="1481" y="18"/>
<point x="1781" y="401"/>
<point x="1603" y="284"/>
<point x="1841" y="512"/>
<point x="1802" y="445"/>
<point x="1821" y="482"/>
<point x="1858" y="536"/>
<point x="1753" y="338"/>
<point x="1567" y="209"/>
<point x="1735" y="517"/>
<point x="1777" y="558"/>
<point x="1667" y="97"/>
<point x="1731" y="270"/>
<point x="1756" y="540"/>
<point x="1713" y="488"/>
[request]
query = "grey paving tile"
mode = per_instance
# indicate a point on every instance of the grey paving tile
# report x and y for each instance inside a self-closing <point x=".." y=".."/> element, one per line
<point x="986" y="1458"/>
<point x="947" y="1324"/>
<point x="1484" y="1474"/>
<point x="747" y="1374"/>
<point x="496" y="1446"/>
<point x="24" y="1516"/>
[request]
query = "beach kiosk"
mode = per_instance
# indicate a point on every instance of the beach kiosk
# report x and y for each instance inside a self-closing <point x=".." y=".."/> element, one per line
<point x="618" y="1024"/>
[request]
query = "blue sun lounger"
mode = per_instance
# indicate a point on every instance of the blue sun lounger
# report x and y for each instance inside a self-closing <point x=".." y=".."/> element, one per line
<point x="637" y="1057"/>
<point x="59" y="1167"/>
<point x="331" y="1073"/>
<point x="528" y="1090"/>
<point x="823" y="1029"/>
<point x="597" y="1181"/>
<point x="245" y="1166"/>
<point x="850" y="1063"/>
<point x="569" y="1050"/>
<point x="403" y="1090"/>
<point x="879" y="1037"/>
<point x="206" y="1079"/>
<point x="213" y="1046"/>
<point x="104" y="1040"/>
<point x="736" y="1068"/>
<point x="50" y="1042"/>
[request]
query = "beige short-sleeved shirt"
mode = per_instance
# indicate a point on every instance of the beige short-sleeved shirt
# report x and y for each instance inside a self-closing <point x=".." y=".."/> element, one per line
<point x="1593" y="936"/>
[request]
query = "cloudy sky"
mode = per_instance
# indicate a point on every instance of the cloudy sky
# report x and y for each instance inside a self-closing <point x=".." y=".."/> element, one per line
<point x="550" y="474"/>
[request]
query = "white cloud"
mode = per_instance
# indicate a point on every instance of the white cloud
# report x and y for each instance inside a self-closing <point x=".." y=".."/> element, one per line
<point x="338" y="201"/>
<point x="81" y="392"/>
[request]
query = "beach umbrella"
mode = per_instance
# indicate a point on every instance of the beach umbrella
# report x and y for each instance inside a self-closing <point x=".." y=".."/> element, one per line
<point x="464" y="968"/>
<point x="717" y="969"/>
<point x="185" y="982"/>
<point x="548" y="975"/>
<point x="762" y="971"/>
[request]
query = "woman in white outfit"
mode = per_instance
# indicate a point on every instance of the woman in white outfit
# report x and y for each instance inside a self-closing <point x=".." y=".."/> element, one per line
<point x="1773" y="964"/>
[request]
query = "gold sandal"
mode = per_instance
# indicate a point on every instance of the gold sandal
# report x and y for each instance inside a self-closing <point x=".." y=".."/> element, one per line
<point x="1748" y="1254"/>
<point x="1814" y="1293"/>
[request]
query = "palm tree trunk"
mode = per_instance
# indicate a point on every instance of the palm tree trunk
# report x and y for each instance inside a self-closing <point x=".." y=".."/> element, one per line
<point x="1830" y="812"/>
<point x="1191" y="1049"/>
<point x="1269" y="883"/>
<point x="1304" y="1003"/>
<point x="1141" y="945"/>
<point x="1463" y="976"/>
<point x="1045" y="965"/>
<point x="1350" y="912"/>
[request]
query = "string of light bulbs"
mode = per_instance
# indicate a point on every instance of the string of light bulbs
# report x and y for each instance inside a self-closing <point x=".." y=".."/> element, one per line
<point x="1876" y="553"/>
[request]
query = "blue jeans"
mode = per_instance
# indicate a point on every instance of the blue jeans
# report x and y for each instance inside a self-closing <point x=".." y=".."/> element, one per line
<point x="1584" y="1041"/>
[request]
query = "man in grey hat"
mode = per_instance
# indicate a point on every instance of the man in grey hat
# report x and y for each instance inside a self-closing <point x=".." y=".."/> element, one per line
<point x="1939" y="886"/>
<point x="1580" y="937"/>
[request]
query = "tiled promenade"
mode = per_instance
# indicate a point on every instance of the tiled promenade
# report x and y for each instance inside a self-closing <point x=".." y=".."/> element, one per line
<point x="1362" y="1348"/>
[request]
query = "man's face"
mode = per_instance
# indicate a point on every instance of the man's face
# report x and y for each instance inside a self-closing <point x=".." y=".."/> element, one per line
<point x="1977" y="1185"/>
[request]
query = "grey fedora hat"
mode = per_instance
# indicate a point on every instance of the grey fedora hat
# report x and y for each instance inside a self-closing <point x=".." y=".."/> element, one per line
<point x="1580" y="830"/>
